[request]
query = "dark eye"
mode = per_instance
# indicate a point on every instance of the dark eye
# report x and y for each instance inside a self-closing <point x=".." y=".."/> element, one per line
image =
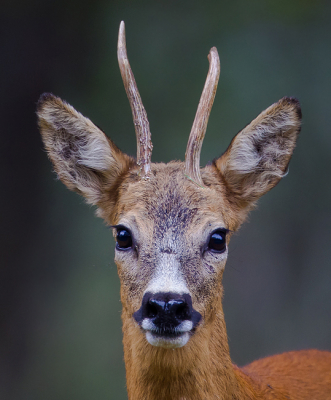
<point x="217" y="241"/>
<point x="123" y="239"/>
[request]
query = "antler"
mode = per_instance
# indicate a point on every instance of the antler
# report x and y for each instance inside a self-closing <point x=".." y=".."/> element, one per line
<point x="141" y="124"/>
<point x="192" y="155"/>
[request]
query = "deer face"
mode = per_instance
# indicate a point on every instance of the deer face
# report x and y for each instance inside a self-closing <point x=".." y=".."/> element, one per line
<point x="171" y="249"/>
<point x="172" y="223"/>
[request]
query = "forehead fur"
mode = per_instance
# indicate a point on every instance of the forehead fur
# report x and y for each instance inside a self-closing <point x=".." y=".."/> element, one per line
<point x="169" y="197"/>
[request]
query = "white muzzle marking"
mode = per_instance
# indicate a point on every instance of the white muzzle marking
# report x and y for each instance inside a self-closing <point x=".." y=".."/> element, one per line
<point x="179" y="339"/>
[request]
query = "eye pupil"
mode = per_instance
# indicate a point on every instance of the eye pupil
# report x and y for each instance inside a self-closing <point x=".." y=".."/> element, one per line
<point x="217" y="241"/>
<point x="123" y="239"/>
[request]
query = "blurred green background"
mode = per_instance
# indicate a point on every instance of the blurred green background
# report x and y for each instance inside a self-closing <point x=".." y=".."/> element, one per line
<point x="60" y="321"/>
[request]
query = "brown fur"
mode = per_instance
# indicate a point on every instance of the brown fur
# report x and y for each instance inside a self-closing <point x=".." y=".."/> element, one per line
<point x="170" y="217"/>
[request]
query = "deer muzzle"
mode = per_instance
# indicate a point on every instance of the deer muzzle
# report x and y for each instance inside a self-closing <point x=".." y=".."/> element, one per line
<point x="167" y="319"/>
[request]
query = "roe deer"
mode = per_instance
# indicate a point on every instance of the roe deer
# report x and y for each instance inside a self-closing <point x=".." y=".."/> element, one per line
<point x="172" y="223"/>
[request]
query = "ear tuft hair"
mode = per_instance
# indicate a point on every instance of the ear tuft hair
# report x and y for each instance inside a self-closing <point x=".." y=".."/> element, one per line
<point x="84" y="158"/>
<point x="258" y="156"/>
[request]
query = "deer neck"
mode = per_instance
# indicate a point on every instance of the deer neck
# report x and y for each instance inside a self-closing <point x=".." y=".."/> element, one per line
<point x="202" y="369"/>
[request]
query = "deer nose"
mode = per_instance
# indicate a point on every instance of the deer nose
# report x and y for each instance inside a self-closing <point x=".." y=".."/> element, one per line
<point x="172" y="310"/>
<point x="166" y="311"/>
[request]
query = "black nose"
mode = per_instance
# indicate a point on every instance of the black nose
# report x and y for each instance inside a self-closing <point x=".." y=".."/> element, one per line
<point x="167" y="310"/>
<point x="163" y="307"/>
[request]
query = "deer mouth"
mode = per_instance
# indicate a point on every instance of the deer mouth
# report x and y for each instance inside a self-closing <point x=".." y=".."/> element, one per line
<point x="165" y="336"/>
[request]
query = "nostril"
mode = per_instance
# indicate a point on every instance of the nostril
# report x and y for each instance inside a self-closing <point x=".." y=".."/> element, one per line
<point x="154" y="307"/>
<point x="182" y="312"/>
<point x="151" y="310"/>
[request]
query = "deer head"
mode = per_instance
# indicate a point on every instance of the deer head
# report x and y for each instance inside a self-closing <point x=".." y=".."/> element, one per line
<point x="172" y="222"/>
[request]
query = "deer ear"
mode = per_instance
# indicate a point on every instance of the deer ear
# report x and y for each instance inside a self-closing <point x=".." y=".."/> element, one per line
<point x="84" y="159"/>
<point x="258" y="156"/>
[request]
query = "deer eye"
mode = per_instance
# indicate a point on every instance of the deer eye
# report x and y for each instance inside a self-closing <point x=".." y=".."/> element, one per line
<point x="123" y="239"/>
<point x="217" y="241"/>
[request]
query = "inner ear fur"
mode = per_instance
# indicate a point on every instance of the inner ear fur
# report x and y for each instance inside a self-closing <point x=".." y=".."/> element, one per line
<point x="258" y="156"/>
<point x="84" y="158"/>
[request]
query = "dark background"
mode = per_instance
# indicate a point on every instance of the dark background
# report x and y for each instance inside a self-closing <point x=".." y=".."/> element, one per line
<point x="60" y="328"/>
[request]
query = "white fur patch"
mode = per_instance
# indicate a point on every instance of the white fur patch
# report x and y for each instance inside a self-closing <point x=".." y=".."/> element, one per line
<point x="167" y="343"/>
<point x="185" y="326"/>
<point x="168" y="277"/>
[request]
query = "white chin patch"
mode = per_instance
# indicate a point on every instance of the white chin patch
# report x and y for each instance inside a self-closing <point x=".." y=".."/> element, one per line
<point x="167" y="342"/>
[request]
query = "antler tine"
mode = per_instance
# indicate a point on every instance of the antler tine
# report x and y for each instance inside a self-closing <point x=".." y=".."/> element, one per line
<point x="192" y="155"/>
<point x="141" y="124"/>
